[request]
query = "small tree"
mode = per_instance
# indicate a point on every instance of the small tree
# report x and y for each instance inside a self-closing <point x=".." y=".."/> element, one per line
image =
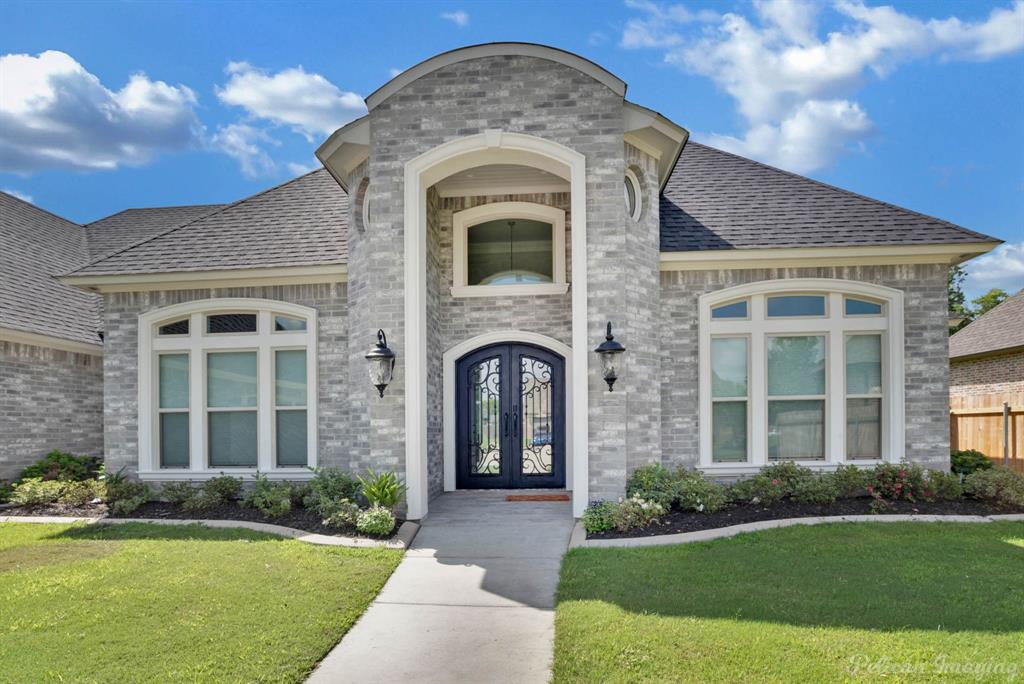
<point x="987" y="302"/>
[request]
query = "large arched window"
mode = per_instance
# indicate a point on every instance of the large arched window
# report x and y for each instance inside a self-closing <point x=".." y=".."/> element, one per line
<point x="508" y="248"/>
<point x="801" y="370"/>
<point x="227" y="385"/>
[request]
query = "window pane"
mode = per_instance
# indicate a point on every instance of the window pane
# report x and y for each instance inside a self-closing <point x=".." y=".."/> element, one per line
<point x="858" y="307"/>
<point x="288" y="323"/>
<point x="507" y="252"/>
<point x="231" y="379"/>
<point x="175" y="328"/>
<point x="729" y="431"/>
<point x="290" y="377"/>
<point x="173" y="380"/>
<point x="231" y="323"/>
<point x="291" y="438"/>
<point x="796" y="305"/>
<point x="796" y="365"/>
<point x="174" y="440"/>
<point x="232" y="438"/>
<point x="863" y="428"/>
<point x="729" y="367"/>
<point x="630" y="197"/>
<point x="734" y="310"/>
<point x="796" y="430"/>
<point x="864" y="364"/>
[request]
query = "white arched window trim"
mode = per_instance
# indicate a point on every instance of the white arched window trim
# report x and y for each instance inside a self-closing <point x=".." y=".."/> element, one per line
<point x="197" y="344"/>
<point x="462" y="221"/>
<point x="756" y="326"/>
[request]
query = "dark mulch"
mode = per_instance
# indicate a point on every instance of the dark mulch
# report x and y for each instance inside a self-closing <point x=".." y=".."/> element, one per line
<point x="689" y="521"/>
<point x="300" y="519"/>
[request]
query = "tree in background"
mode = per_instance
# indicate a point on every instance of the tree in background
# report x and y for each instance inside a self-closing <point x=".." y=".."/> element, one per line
<point x="959" y="311"/>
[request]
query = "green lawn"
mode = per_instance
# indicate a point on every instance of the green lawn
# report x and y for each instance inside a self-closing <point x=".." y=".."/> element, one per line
<point x="866" y="602"/>
<point x="155" y="603"/>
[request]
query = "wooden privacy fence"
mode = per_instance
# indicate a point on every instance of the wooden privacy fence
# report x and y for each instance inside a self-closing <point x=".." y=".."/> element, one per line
<point x="977" y="422"/>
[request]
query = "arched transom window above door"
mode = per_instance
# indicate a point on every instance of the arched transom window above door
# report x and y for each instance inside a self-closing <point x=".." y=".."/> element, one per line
<point x="509" y="248"/>
<point x="803" y="370"/>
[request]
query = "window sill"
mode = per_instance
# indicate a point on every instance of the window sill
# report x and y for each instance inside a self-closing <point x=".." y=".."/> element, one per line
<point x="510" y="290"/>
<point x="247" y="474"/>
<point x="751" y="469"/>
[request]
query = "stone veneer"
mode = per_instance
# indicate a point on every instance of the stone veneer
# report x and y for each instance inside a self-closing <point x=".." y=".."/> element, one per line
<point x="926" y="344"/>
<point x="121" y="323"/>
<point x="992" y="374"/>
<point x="49" y="399"/>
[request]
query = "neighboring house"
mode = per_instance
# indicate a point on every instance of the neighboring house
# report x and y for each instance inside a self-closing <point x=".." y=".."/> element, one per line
<point x="51" y="364"/>
<point x="496" y="208"/>
<point x="987" y="356"/>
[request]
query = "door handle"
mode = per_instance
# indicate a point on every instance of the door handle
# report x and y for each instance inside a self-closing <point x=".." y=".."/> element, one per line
<point x="515" y="420"/>
<point x="505" y="420"/>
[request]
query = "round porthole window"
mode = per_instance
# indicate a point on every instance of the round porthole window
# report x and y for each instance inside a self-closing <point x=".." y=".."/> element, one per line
<point x="634" y="199"/>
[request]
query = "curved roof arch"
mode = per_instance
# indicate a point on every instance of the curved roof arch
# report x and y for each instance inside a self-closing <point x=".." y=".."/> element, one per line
<point x="463" y="54"/>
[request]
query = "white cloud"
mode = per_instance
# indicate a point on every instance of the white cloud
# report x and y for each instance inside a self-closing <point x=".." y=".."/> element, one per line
<point x="308" y="102"/>
<point x="243" y="143"/>
<point x="782" y="74"/>
<point x="24" y="197"/>
<point x="459" y="17"/>
<point x="301" y="169"/>
<point x="55" y="114"/>
<point x="597" y="38"/>
<point x="808" y="138"/>
<point x="1003" y="267"/>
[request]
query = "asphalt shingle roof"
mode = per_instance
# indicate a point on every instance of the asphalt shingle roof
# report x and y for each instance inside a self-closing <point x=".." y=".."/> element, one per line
<point x="1000" y="328"/>
<point x="715" y="200"/>
<point x="35" y="244"/>
<point x="302" y="222"/>
<point x="133" y="225"/>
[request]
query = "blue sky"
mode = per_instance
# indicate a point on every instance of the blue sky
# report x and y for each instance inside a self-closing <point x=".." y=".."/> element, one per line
<point x="111" y="105"/>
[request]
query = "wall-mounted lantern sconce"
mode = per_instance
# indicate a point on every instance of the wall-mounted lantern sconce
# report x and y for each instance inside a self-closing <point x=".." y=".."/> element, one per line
<point x="609" y="351"/>
<point x="382" y="363"/>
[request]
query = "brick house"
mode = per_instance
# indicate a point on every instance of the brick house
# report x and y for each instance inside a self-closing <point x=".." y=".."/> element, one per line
<point x="987" y="356"/>
<point x="496" y="208"/>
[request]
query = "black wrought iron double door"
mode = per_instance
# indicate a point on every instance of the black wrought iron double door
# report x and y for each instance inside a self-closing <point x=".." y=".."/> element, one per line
<point x="510" y="418"/>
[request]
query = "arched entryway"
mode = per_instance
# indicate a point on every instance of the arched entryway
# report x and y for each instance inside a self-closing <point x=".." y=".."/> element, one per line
<point x="510" y="418"/>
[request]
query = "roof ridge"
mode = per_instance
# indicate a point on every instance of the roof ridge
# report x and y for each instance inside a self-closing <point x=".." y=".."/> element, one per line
<point x="186" y="224"/>
<point x="170" y="206"/>
<point x="849" y="192"/>
<point x="45" y="211"/>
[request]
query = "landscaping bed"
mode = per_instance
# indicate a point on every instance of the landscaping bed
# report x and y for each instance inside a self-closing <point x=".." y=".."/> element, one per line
<point x="677" y="521"/>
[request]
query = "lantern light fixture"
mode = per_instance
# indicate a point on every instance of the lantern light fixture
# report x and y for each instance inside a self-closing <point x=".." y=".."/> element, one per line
<point x="610" y="351"/>
<point x="382" y="363"/>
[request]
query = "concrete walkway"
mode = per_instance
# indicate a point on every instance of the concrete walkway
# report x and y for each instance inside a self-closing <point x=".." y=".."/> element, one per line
<point x="472" y="601"/>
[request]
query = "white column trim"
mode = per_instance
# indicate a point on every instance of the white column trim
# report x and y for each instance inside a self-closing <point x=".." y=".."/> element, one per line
<point x="422" y="172"/>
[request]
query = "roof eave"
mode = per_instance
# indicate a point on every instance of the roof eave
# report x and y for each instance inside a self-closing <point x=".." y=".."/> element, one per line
<point x="655" y="134"/>
<point x="185" y="280"/>
<point x="345" y="149"/>
<point x="791" y="257"/>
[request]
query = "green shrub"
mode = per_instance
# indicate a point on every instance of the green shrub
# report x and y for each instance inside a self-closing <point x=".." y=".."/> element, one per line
<point x="652" y="482"/>
<point x="200" y="501"/>
<point x="694" y="492"/>
<point x="599" y="516"/>
<point x="635" y="512"/>
<point x="300" y="490"/>
<point x="377" y="520"/>
<point x="999" y="486"/>
<point x="270" y="498"/>
<point x="82" y="493"/>
<point x="849" y="481"/>
<point x="893" y="482"/>
<point x="741" y="491"/>
<point x="968" y="461"/>
<point x="778" y="481"/>
<point x="818" y="489"/>
<point x="945" y="486"/>
<point x="328" y="488"/>
<point x="223" y="489"/>
<point x="381" y="489"/>
<point x="6" y="490"/>
<point x="35" y="491"/>
<point x="346" y="514"/>
<point x="178" y="492"/>
<point x="60" y="465"/>
<point x="124" y="496"/>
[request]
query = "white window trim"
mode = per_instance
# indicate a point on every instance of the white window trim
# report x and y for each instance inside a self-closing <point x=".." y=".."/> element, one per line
<point x="197" y="344"/>
<point x="638" y="209"/>
<point x="835" y="327"/>
<point x="462" y="221"/>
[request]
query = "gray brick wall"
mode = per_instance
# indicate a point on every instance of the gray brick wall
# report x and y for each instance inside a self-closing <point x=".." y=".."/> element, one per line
<point x="121" y="317"/>
<point x="995" y="374"/>
<point x="925" y="337"/>
<point x="49" y="399"/>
